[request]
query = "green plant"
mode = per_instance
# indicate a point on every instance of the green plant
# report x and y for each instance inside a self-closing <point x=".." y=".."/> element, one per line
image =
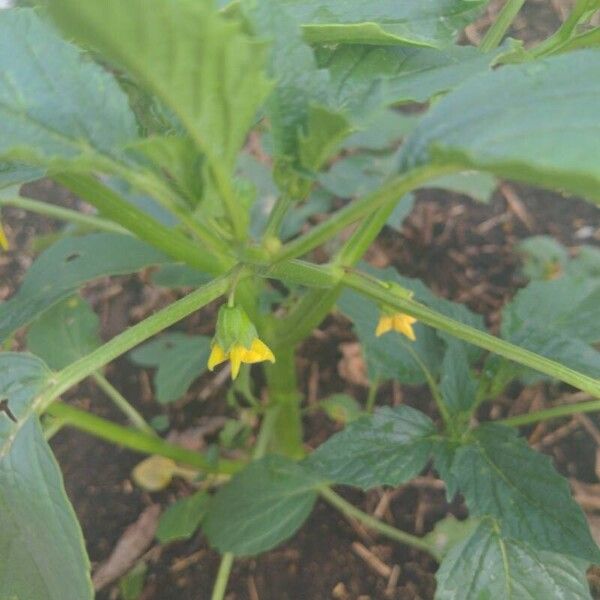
<point x="146" y="122"/>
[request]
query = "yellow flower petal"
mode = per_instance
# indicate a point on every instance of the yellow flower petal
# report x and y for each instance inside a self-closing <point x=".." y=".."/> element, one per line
<point x="403" y="324"/>
<point x="3" y="240"/>
<point x="217" y="356"/>
<point x="385" y="324"/>
<point x="258" y="352"/>
<point x="236" y="356"/>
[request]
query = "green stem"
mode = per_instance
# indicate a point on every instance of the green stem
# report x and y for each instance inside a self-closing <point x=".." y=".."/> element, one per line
<point x="433" y="387"/>
<point x="137" y="440"/>
<point x="375" y="524"/>
<point x="358" y="209"/>
<point x="551" y="413"/>
<point x="62" y="214"/>
<point x="496" y="32"/>
<point x="484" y="340"/>
<point x="222" y="577"/>
<point x="565" y="31"/>
<point x="135" y="418"/>
<point x="282" y="385"/>
<point x="169" y="240"/>
<point x="266" y="432"/>
<point x="276" y="216"/>
<point x="133" y="336"/>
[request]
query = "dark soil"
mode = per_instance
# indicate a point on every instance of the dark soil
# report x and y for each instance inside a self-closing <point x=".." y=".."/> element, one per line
<point x="464" y="251"/>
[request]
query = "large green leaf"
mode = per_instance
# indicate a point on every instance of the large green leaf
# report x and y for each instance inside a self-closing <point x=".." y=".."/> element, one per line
<point x="488" y="566"/>
<point x="536" y="122"/>
<point x="367" y="78"/>
<point x="199" y="63"/>
<point x="67" y="331"/>
<point x="42" y="554"/>
<point x="179" y="358"/>
<point x="388" y="448"/>
<point x="261" y="506"/>
<point x="56" y="107"/>
<point x="502" y="477"/>
<point x="67" y="265"/>
<point x="181" y="520"/>
<point x="22" y="378"/>
<point x="423" y="23"/>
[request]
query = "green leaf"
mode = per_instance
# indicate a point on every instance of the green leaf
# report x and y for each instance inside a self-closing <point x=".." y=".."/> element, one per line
<point x="178" y="275"/>
<point x="341" y="407"/>
<point x="388" y="448"/>
<point x="199" y="63"/>
<point x="179" y="358"/>
<point x="131" y="585"/>
<point x="536" y="122"/>
<point x="305" y="129"/>
<point x="22" y="378"/>
<point x="67" y="331"/>
<point x="181" y="520"/>
<point x="431" y="23"/>
<point x="42" y="553"/>
<point x="366" y="79"/>
<point x="489" y="566"/>
<point x="67" y="265"/>
<point x="261" y="506"/>
<point x="500" y="476"/>
<point x="448" y="532"/>
<point x="544" y="257"/>
<point x="457" y="384"/>
<point x="479" y="186"/>
<point x="382" y="131"/>
<point x="15" y="173"/>
<point x="570" y="305"/>
<point x="56" y="107"/>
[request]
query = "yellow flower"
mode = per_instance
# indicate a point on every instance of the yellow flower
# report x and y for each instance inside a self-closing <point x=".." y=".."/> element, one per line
<point x="3" y="240"/>
<point x="236" y="339"/>
<point x="257" y="352"/>
<point x="396" y="322"/>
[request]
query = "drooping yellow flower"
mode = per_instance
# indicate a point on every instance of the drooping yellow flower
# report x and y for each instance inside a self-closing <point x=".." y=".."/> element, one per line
<point x="257" y="352"/>
<point x="3" y="240"/>
<point x="236" y="340"/>
<point x="399" y="322"/>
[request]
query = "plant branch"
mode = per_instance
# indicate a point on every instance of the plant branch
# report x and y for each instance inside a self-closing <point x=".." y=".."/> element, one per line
<point x="375" y="524"/>
<point x="137" y="440"/>
<point x="135" y="418"/>
<point x="496" y="32"/>
<point x="133" y="336"/>
<point x="222" y="576"/>
<point x="551" y="413"/>
<point x="358" y="209"/>
<point x="62" y="214"/>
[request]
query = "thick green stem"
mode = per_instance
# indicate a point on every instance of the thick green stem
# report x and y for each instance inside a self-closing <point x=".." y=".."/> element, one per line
<point x="62" y="214"/>
<point x="496" y="32"/>
<point x="552" y="413"/>
<point x="222" y="577"/>
<point x="358" y="209"/>
<point x="169" y="240"/>
<point x="375" y="524"/>
<point x="284" y="397"/>
<point x="135" y="418"/>
<point x="137" y="440"/>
